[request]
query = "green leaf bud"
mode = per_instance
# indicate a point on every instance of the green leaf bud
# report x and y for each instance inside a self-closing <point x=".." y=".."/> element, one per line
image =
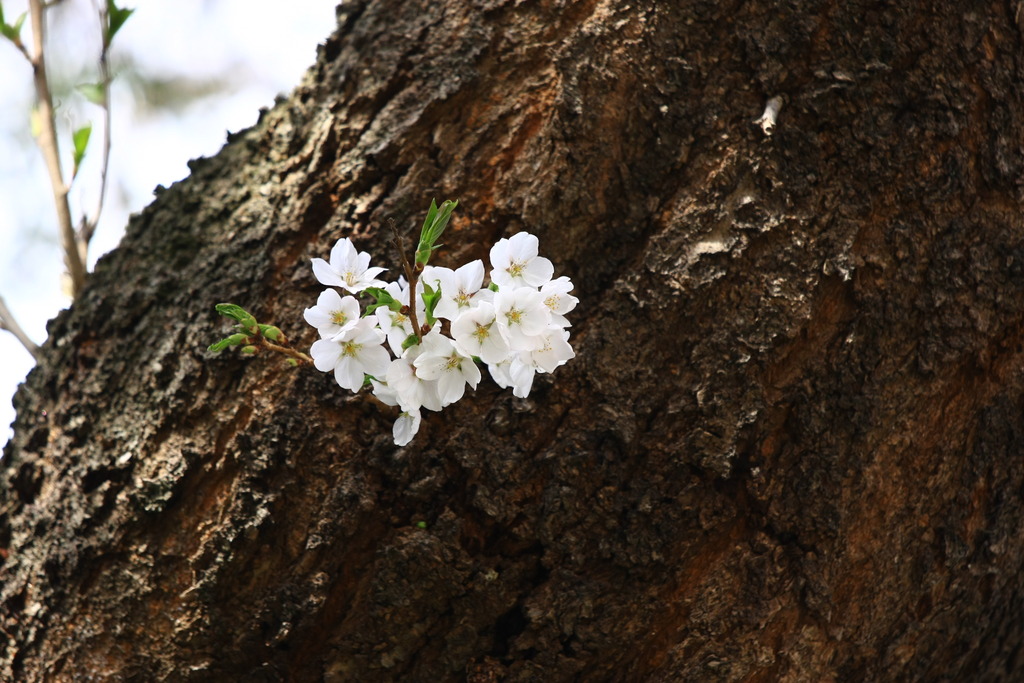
<point x="271" y="332"/>
<point x="116" y="16"/>
<point x="12" y="32"/>
<point x="239" y="315"/>
<point x="249" y="350"/>
<point x="233" y="340"/>
<point x="435" y="223"/>
<point x="80" y="138"/>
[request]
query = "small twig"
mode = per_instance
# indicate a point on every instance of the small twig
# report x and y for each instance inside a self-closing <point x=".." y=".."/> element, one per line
<point x="89" y="225"/>
<point x="22" y="49"/>
<point x="51" y="152"/>
<point x="286" y="350"/>
<point x="410" y="275"/>
<point x="7" y="322"/>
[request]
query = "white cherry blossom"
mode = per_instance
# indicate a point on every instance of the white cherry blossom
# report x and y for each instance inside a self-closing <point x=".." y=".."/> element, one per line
<point x="521" y="315"/>
<point x="348" y="269"/>
<point x="552" y="350"/>
<point x="332" y="313"/>
<point x="413" y="391"/>
<point x="476" y="334"/>
<point x="441" y="361"/>
<point x="515" y="263"/>
<point x="352" y="354"/>
<point x="459" y="288"/>
<point x="518" y="331"/>
<point x="558" y="300"/>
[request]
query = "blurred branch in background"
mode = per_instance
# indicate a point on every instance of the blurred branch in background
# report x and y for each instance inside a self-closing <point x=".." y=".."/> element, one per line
<point x="74" y="243"/>
<point x="7" y="322"/>
<point x="47" y="137"/>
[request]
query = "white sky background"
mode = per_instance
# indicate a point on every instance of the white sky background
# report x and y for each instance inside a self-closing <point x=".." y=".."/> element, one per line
<point x="257" y="49"/>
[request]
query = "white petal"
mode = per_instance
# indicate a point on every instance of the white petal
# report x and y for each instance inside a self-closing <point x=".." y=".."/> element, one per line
<point x="363" y="261"/>
<point x="499" y="256"/>
<point x="349" y="374"/>
<point x="326" y="275"/>
<point x="538" y="271"/>
<point x="317" y="317"/>
<point x="470" y="372"/>
<point x="343" y="255"/>
<point x="471" y="276"/>
<point x="500" y="373"/>
<point x="495" y="349"/>
<point x="375" y="360"/>
<point x="406" y="426"/>
<point x="371" y="273"/>
<point x="429" y="366"/>
<point x="385" y="394"/>
<point x="522" y="378"/>
<point x="523" y="246"/>
<point x="325" y="354"/>
<point x="451" y="386"/>
<point x="329" y="299"/>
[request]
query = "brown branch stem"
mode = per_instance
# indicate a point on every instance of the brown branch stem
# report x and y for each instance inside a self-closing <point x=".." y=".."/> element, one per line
<point x="410" y="275"/>
<point x="286" y="350"/>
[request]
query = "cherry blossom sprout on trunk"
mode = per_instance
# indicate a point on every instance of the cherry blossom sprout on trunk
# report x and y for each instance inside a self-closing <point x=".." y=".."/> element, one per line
<point x="515" y="325"/>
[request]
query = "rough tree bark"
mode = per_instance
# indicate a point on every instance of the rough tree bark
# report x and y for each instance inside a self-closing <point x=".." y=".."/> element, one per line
<point x="789" y="447"/>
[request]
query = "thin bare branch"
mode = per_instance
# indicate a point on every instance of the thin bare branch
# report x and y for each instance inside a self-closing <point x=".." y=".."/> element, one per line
<point x="300" y="357"/>
<point x="7" y="322"/>
<point x="51" y="151"/>
<point x="89" y="225"/>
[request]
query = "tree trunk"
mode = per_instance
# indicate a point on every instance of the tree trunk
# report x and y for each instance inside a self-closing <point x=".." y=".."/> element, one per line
<point x="789" y="447"/>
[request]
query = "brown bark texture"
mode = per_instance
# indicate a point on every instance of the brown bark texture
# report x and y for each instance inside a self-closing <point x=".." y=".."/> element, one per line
<point x="789" y="447"/>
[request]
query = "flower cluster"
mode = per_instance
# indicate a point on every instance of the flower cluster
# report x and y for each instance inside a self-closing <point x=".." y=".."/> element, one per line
<point x="516" y="326"/>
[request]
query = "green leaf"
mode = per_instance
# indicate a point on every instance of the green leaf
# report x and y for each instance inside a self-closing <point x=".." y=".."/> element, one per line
<point x="93" y="92"/>
<point x="233" y="340"/>
<point x="81" y="140"/>
<point x="435" y="223"/>
<point x="249" y="350"/>
<point x="292" y="362"/>
<point x="116" y="16"/>
<point x="421" y="525"/>
<point x="430" y="299"/>
<point x="12" y="32"/>
<point x="493" y="287"/>
<point x="271" y="332"/>
<point x="239" y="315"/>
<point x="411" y="340"/>
<point x="383" y="299"/>
<point x="429" y="220"/>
